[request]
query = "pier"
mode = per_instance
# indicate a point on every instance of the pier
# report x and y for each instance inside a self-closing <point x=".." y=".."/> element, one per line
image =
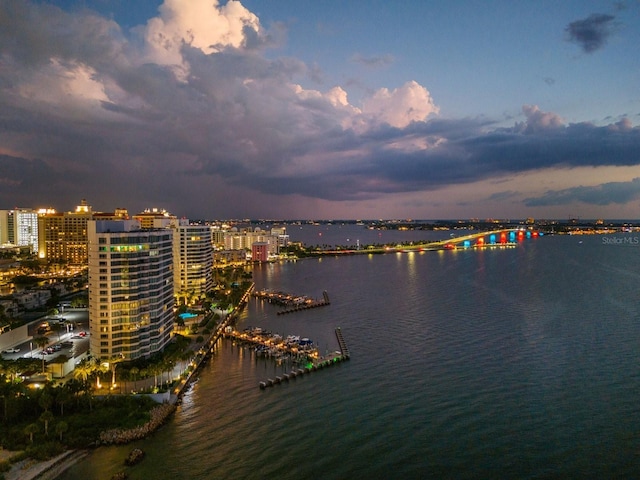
<point x="316" y="363"/>
<point x="342" y="344"/>
<point x="292" y="303"/>
<point x="274" y="346"/>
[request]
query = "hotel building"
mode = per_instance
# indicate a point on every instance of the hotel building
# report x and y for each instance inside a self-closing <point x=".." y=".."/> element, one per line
<point x="131" y="295"/>
<point x="62" y="236"/>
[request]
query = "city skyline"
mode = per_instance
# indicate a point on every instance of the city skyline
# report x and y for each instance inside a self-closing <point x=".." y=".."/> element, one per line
<point x="326" y="110"/>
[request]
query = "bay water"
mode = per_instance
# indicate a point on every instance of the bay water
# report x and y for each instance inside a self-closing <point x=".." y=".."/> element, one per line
<point x="484" y="363"/>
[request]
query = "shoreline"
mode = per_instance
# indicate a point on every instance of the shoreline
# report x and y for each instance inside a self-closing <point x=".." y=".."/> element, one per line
<point x="30" y="469"/>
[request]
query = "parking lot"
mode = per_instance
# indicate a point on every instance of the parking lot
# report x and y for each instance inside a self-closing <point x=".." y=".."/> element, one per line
<point x="68" y="334"/>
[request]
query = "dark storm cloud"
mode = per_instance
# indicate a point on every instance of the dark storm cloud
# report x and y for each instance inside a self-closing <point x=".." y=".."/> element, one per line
<point x="590" y="33"/>
<point x="604" y="194"/>
<point x="103" y="119"/>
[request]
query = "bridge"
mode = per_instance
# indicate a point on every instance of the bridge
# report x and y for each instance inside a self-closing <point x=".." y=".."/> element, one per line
<point x="502" y="237"/>
<point x="505" y="237"/>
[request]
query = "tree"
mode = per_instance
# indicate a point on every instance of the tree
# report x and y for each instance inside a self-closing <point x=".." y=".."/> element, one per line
<point x="45" y="400"/>
<point x="45" y="418"/>
<point x="134" y="371"/>
<point x="74" y="387"/>
<point x="62" y="396"/>
<point x="113" y="363"/>
<point x="41" y="342"/>
<point x="83" y="372"/>
<point x="30" y="430"/>
<point x="61" y="427"/>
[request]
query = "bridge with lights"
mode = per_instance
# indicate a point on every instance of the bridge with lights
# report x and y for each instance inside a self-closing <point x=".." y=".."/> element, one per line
<point x="494" y="238"/>
<point x="502" y="238"/>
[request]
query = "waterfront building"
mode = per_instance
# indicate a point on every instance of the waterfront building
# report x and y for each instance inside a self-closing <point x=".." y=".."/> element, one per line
<point x="244" y="239"/>
<point x="155" y="218"/>
<point x="193" y="261"/>
<point x="131" y="294"/>
<point x="260" y="251"/>
<point x="19" y="227"/>
<point x="217" y="236"/>
<point x="281" y="234"/>
<point x="229" y="257"/>
<point x="62" y="236"/>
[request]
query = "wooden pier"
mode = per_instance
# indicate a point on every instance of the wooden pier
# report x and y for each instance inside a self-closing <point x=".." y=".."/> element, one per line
<point x="342" y="344"/>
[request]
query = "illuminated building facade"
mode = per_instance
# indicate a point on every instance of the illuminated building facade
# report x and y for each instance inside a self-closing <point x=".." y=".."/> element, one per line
<point x="155" y="218"/>
<point x="193" y="261"/>
<point x="131" y="294"/>
<point x="62" y="237"/>
<point x="260" y="251"/>
<point x="19" y="227"/>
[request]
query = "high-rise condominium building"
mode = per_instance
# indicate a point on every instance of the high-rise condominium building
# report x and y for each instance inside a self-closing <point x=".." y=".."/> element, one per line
<point x="131" y="295"/>
<point x="193" y="261"/>
<point x="19" y="227"/>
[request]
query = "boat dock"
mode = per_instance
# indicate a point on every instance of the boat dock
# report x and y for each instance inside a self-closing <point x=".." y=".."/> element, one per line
<point x="292" y="303"/>
<point x="273" y="345"/>
<point x="315" y="364"/>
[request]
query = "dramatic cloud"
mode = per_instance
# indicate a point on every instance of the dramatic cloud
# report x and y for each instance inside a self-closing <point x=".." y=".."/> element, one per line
<point x="202" y="24"/>
<point x="591" y="33"/>
<point x="605" y="194"/>
<point x="188" y="112"/>
<point x="409" y="103"/>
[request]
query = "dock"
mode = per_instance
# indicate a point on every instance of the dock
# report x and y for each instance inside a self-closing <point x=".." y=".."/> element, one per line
<point x="314" y="365"/>
<point x="342" y="344"/>
<point x="292" y="303"/>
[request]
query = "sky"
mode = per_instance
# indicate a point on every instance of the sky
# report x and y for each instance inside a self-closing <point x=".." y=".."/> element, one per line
<point x="325" y="109"/>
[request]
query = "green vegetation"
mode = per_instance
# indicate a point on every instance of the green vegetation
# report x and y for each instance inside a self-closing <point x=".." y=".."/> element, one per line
<point x="43" y="422"/>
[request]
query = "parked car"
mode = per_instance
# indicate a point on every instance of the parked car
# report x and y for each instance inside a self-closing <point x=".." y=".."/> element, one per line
<point x="11" y="350"/>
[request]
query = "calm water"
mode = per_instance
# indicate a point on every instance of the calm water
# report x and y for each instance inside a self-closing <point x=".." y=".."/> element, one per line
<point x="513" y="363"/>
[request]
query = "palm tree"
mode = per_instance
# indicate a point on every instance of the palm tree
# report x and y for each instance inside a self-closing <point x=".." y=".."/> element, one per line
<point x="144" y="373"/>
<point x="45" y="400"/>
<point x="30" y="430"/>
<point x="98" y="369"/>
<point x="41" y="342"/>
<point x="113" y="363"/>
<point x="62" y="396"/>
<point x="46" y="417"/>
<point x="83" y="372"/>
<point x="134" y="371"/>
<point x="61" y="427"/>
<point x="74" y="386"/>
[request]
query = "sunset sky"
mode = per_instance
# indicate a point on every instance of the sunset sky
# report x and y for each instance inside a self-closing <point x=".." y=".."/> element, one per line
<point x="325" y="109"/>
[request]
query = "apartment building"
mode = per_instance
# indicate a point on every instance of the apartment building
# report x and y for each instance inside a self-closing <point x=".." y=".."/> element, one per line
<point x="131" y="289"/>
<point x="193" y="261"/>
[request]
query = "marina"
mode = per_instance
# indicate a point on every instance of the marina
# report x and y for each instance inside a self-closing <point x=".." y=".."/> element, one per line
<point x="292" y="303"/>
<point x="301" y="351"/>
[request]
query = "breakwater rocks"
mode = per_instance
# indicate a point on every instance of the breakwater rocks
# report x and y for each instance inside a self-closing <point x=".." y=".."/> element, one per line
<point x="135" y="456"/>
<point x="159" y="415"/>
